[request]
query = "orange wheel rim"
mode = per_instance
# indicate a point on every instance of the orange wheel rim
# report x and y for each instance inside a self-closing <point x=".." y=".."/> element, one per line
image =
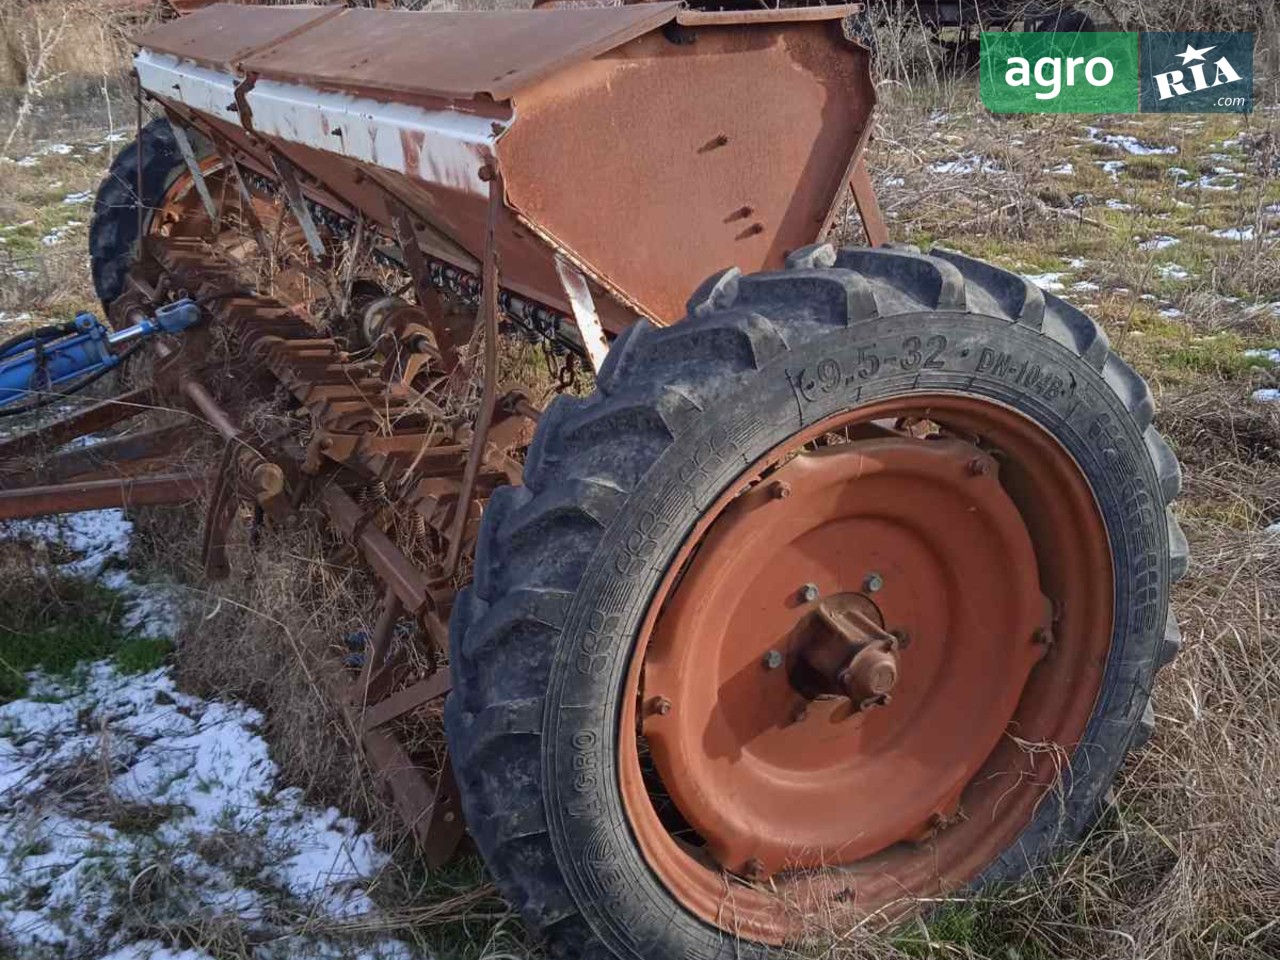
<point x="866" y="666"/>
<point x="182" y="214"/>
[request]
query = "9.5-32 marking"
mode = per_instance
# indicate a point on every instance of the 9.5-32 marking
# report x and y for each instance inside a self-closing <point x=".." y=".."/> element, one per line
<point x="829" y="375"/>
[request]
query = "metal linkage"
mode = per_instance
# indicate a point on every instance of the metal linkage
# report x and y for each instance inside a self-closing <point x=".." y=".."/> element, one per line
<point x="535" y="321"/>
<point x="366" y="424"/>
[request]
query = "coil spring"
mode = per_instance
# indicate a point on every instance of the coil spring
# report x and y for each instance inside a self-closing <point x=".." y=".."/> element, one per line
<point x="372" y="491"/>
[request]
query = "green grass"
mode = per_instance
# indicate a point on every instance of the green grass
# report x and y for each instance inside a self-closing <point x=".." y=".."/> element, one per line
<point x="55" y="623"/>
<point x="972" y="930"/>
<point x="1220" y="357"/>
<point x="142" y="654"/>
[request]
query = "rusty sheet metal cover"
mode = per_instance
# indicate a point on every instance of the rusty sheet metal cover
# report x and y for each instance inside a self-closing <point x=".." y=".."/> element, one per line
<point x="648" y="166"/>
<point x="222" y="34"/>
<point x="661" y="162"/>
<point x="400" y="54"/>
<point x="833" y="11"/>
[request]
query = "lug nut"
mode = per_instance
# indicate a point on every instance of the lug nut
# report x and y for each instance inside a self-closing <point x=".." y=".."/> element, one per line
<point x="978" y="467"/>
<point x="659" y="705"/>
<point x="873" y="583"/>
<point x="753" y="869"/>
<point x="772" y="660"/>
<point x="809" y="592"/>
<point x="780" y="489"/>
<point x="872" y="702"/>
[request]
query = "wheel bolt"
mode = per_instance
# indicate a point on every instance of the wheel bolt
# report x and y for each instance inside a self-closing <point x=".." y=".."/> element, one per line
<point x="780" y="489"/>
<point x="873" y="583"/>
<point x="978" y="467"/>
<point x="659" y="705"/>
<point x="809" y="592"/>
<point x="772" y="660"/>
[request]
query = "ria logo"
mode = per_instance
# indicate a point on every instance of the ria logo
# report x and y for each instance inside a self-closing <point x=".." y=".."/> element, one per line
<point x="1197" y="72"/>
<point x="1106" y="72"/>
<point x="1175" y="82"/>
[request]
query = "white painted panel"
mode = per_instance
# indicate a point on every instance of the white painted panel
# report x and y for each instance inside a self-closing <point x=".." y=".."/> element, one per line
<point x="445" y="147"/>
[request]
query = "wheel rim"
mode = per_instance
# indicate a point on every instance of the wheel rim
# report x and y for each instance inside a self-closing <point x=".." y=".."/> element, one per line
<point x="966" y="575"/>
<point x="182" y="212"/>
<point x="284" y="274"/>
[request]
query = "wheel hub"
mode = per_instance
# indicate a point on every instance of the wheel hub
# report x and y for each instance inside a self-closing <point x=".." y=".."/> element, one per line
<point x="899" y="588"/>
<point x="841" y="649"/>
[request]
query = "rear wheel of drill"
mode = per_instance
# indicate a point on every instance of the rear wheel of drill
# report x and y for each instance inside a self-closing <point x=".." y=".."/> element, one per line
<point x="172" y="207"/>
<point x="114" y="242"/>
<point x="848" y="590"/>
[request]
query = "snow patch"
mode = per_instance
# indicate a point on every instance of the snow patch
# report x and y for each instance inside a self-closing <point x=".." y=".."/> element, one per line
<point x="1172" y="271"/>
<point x="128" y="805"/>
<point x="1235" y="233"/>
<point x="58" y="234"/>
<point x="1161" y="242"/>
<point x="1214" y="181"/>
<point x="965" y="165"/>
<point x="1271" y="355"/>
<point x="1048" y="282"/>
<point x="202" y="768"/>
<point x="1127" y="144"/>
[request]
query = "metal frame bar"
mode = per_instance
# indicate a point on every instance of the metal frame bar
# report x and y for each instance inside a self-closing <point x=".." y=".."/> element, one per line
<point x="489" y="387"/>
<point x="288" y="175"/>
<point x="75" y="497"/>
<point x="590" y="329"/>
<point x="864" y="198"/>
<point x="193" y="167"/>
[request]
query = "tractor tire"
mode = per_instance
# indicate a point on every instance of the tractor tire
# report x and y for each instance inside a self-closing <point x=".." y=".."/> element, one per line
<point x="618" y="486"/>
<point x="113" y="232"/>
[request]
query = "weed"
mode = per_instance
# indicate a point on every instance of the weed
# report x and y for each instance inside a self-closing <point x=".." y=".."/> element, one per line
<point x="142" y="654"/>
<point x="53" y="623"/>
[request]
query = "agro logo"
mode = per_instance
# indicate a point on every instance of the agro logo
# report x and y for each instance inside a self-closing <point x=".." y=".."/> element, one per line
<point x="1032" y="72"/>
<point x="1197" y="72"/>
<point x="1173" y="84"/>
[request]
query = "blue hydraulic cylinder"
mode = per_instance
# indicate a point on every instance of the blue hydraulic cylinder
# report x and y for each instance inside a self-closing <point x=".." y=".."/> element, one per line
<point x="47" y="361"/>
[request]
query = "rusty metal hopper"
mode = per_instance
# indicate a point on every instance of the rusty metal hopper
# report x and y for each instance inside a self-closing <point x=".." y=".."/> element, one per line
<point x="646" y="145"/>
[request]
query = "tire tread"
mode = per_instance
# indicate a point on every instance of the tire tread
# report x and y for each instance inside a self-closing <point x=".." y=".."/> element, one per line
<point x="736" y="324"/>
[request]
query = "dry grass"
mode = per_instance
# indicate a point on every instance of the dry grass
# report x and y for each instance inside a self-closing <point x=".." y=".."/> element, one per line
<point x="272" y="635"/>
